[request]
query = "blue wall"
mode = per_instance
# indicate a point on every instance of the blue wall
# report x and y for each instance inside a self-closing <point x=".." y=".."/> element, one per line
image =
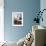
<point x="28" y="7"/>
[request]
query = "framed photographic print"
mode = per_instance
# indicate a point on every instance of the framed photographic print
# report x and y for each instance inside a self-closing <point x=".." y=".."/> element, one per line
<point x="17" y="18"/>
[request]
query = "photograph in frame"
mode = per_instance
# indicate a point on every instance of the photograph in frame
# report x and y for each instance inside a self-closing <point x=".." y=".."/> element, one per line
<point x="17" y="18"/>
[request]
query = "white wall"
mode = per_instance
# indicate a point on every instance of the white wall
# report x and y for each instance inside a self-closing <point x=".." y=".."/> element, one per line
<point x="1" y="20"/>
<point x="1" y="24"/>
<point x="43" y="6"/>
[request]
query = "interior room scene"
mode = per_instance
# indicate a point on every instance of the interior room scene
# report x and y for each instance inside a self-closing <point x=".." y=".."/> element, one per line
<point x="22" y="22"/>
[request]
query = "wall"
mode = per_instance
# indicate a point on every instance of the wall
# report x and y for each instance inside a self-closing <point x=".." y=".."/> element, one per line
<point x="43" y="6"/>
<point x="1" y="20"/>
<point x="28" y="7"/>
